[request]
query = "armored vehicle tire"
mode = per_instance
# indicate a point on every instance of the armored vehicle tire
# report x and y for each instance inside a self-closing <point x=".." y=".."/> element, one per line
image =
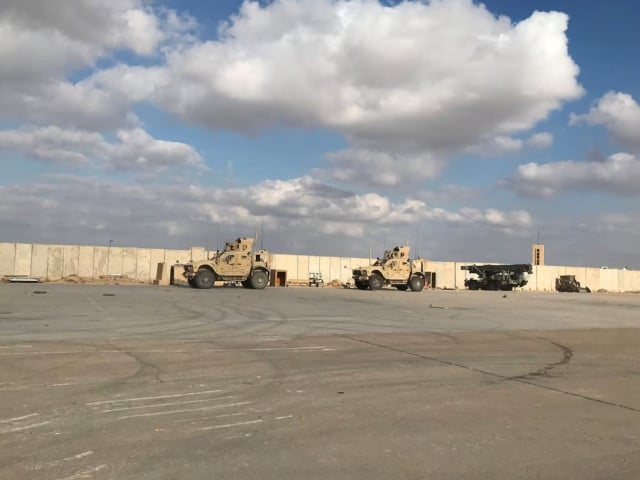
<point x="361" y="286"/>
<point x="192" y="282"/>
<point x="402" y="288"/>
<point x="204" y="278"/>
<point x="375" y="282"/>
<point x="473" y="285"/>
<point x="416" y="283"/>
<point x="259" y="280"/>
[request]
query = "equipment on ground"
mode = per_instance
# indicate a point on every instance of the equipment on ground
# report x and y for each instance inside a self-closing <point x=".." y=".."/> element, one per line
<point x="238" y="262"/>
<point x="568" y="283"/>
<point x="497" y="277"/>
<point x="316" y="280"/>
<point x="395" y="269"/>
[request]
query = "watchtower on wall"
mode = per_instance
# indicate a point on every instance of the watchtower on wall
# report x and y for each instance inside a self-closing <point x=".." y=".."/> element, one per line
<point x="537" y="254"/>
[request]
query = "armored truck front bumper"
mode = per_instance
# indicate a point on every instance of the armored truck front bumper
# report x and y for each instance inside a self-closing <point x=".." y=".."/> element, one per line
<point x="360" y="275"/>
<point x="188" y="271"/>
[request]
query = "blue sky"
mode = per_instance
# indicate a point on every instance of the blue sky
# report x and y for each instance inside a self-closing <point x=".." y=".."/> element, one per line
<point x="334" y="126"/>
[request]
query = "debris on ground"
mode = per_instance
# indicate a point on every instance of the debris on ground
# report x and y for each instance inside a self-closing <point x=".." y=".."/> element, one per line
<point x="23" y="279"/>
<point x="102" y="280"/>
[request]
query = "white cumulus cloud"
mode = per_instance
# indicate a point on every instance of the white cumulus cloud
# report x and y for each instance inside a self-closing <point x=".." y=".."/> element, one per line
<point x="620" y="114"/>
<point x="619" y="174"/>
<point x="135" y="150"/>
<point x="297" y="210"/>
<point x="412" y="82"/>
<point x="540" y="140"/>
<point x="43" y="43"/>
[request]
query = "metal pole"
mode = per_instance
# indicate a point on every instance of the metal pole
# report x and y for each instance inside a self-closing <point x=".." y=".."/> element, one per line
<point x="109" y="258"/>
<point x="261" y="233"/>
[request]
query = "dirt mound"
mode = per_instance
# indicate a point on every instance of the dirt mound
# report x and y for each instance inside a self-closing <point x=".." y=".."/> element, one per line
<point x="73" y="279"/>
<point x="103" y="280"/>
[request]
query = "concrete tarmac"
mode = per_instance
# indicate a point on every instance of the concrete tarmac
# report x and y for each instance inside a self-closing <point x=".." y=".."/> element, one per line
<point x="132" y="382"/>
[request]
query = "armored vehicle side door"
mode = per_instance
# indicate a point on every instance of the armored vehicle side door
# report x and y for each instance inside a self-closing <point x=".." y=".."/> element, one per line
<point x="233" y="264"/>
<point x="397" y="269"/>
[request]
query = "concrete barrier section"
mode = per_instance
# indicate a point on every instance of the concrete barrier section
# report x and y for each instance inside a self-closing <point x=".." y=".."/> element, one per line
<point x="86" y="258"/>
<point x="23" y="259"/>
<point x="143" y="265"/>
<point x="57" y="261"/>
<point x="39" y="261"/>
<point x="129" y="262"/>
<point x="7" y="259"/>
<point x="70" y="260"/>
<point x="100" y="261"/>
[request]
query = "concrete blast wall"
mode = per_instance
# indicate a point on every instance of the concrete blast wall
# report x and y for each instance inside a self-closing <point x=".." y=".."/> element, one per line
<point x="51" y="262"/>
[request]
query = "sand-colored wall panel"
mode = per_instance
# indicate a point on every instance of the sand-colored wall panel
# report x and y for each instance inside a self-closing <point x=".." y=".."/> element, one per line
<point x="143" y="265"/>
<point x="324" y="269"/>
<point x="100" y="262"/>
<point x="7" y="258"/>
<point x="336" y="272"/>
<point x="303" y="267"/>
<point x="71" y="260"/>
<point x="286" y="263"/>
<point x="177" y="256"/>
<point x="630" y="280"/>
<point x="592" y="279"/>
<point x="39" y="260"/>
<point x="448" y="276"/>
<point x="545" y="277"/>
<point x="129" y="260"/>
<point x="157" y="256"/>
<point x="115" y="260"/>
<point x="314" y="264"/>
<point x="609" y="280"/>
<point x="23" y="259"/>
<point x="355" y="262"/>
<point x="55" y="261"/>
<point x="198" y="253"/>
<point x="85" y="261"/>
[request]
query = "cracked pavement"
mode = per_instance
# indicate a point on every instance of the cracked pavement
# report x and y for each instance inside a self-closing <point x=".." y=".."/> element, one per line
<point x="118" y="382"/>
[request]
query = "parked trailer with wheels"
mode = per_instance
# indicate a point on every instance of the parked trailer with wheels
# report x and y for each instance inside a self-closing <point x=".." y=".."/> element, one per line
<point x="497" y="277"/>
<point x="238" y="262"/>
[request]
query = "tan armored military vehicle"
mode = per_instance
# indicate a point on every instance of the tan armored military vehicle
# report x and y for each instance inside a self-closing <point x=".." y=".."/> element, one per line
<point x="238" y="262"/>
<point x="395" y="269"/>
